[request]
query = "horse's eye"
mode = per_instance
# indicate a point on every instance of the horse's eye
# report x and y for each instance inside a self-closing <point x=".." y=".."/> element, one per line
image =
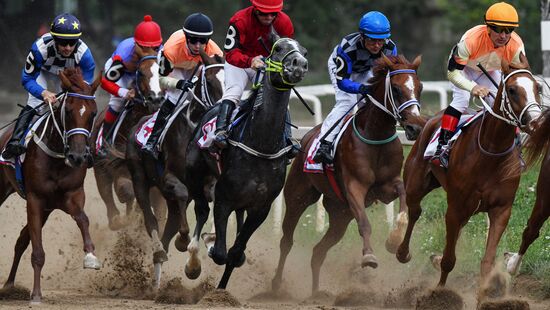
<point x="277" y="49"/>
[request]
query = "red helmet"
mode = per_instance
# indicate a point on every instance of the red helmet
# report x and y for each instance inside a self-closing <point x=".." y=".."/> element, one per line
<point x="148" y="33"/>
<point x="268" y="6"/>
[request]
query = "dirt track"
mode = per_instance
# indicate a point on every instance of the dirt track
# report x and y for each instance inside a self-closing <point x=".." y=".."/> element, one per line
<point x="65" y="285"/>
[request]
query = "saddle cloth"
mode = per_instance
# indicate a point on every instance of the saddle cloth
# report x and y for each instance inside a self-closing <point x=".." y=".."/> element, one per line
<point x="208" y="130"/>
<point x="144" y="131"/>
<point x="312" y="167"/>
<point x="28" y="136"/>
<point x="465" y="121"/>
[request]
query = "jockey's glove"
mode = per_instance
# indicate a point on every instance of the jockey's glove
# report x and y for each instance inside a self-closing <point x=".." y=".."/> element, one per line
<point x="184" y="85"/>
<point x="364" y="89"/>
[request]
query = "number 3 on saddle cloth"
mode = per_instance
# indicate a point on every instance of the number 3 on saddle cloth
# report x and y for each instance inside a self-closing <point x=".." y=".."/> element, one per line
<point x="17" y="162"/>
<point x="465" y="121"/>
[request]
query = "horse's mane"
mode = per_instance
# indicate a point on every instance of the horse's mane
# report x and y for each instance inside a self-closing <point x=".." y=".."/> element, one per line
<point x="538" y="142"/>
<point x="74" y="75"/>
<point x="380" y="67"/>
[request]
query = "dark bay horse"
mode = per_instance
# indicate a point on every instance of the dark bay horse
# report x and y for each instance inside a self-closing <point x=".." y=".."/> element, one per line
<point x="484" y="169"/>
<point x="54" y="170"/>
<point x="169" y="177"/>
<point x="367" y="167"/>
<point x="147" y="101"/>
<point x="537" y="144"/>
<point x="253" y="166"/>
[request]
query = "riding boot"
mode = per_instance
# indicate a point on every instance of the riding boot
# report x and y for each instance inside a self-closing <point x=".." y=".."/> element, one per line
<point x="449" y="121"/>
<point x="165" y="111"/>
<point x="15" y="145"/>
<point x="323" y="154"/>
<point x="290" y="141"/>
<point x="106" y="133"/>
<point x="226" y="108"/>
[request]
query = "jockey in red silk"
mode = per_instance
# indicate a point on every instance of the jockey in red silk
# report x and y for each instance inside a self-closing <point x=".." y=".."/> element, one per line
<point x="350" y="67"/>
<point x="178" y="58"/>
<point x="118" y="78"/>
<point x="486" y="44"/>
<point x="53" y="52"/>
<point x="245" y="53"/>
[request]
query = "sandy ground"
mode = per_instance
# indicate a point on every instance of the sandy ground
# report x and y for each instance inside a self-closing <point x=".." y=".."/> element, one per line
<point x="124" y="282"/>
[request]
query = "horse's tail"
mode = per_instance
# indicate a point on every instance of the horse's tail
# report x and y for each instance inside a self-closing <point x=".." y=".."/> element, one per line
<point x="538" y="142"/>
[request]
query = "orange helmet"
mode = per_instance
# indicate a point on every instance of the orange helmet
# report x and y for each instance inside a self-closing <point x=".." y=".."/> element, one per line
<point x="148" y="33"/>
<point x="268" y="6"/>
<point x="502" y="14"/>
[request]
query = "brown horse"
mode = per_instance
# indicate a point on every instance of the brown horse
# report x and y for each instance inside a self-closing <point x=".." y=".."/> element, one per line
<point x="54" y="170"/>
<point x="479" y="177"/>
<point x="169" y="178"/>
<point x="146" y="102"/>
<point x="537" y="144"/>
<point x="367" y="166"/>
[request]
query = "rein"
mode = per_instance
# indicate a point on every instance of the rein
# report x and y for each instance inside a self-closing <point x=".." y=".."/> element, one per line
<point x="206" y="100"/>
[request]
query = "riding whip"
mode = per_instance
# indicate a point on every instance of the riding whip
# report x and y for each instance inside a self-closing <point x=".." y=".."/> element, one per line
<point x="480" y="66"/>
<point x="294" y="89"/>
<point x="35" y="110"/>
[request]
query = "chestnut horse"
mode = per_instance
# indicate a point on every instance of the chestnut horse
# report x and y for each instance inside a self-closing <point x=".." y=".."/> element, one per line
<point x="169" y="178"/>
<point x="147" y="101"/>
<point x="54" y="169"/>
<point x="484" y="168"/>
<point x="367" y="167"/>
<point x="537" y="144"/>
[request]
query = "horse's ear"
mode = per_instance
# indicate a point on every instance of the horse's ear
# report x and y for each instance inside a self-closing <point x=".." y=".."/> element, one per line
<point x="205" y="58"/>
<point x="505" y="66"/>
<point x="273" y="35"/>
<point x="97" y="82"/>
<point x="417" y="61"/>
<point x="523" y="60"/>
<point x="138" y="50"/>
<point x="387" y="61"/>
<point x="64" y="80"/>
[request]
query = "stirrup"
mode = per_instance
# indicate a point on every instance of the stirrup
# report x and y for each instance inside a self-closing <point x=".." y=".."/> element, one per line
<point x="220" y="142"/>
<point x="323" y="155"/>
<point x="151" y="151"/>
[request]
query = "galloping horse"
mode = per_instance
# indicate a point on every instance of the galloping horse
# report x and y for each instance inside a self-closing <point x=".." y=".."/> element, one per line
<point x="537" y="144"/>
<point x="367" y="166"/>
<point x="147" y="101"/>
<point x="53" y="171"/>
<point x="253" y="166"/>
<point x="169" y="179"/>
<point x="484" y="169"/>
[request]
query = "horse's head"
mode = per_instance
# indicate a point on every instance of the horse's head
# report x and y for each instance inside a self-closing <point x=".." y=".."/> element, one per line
<point x="288" y="58"/>
<point x="520" y="99"/>
<point x="147" y="78"/>
<point x="78" y="111"/>
<point x="396" y="84"/>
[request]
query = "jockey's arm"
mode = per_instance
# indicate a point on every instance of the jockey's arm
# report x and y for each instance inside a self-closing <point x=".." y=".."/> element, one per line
<point x="455" y="71"/>
<point x="114" y="70"/>
<point x="31" y="72"/>
<point x="87" y="66"/>
<point x="165" y="68"/>
<point x="233" y="47"/>
<point x="343" y="73"/>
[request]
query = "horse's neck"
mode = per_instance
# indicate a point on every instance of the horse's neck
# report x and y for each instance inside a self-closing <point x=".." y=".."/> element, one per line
<point x="496" y="135"/>
<point x="50" y="136"/>
<point x="266" y="124"/>
<point x="373" y="121"/>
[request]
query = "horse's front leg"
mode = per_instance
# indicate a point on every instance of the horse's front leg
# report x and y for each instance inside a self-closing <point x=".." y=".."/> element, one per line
<point x="175" y="189"/>
<point x="35" y="216"/>
<point x="193" y="265"/>
<point x="357" y="193"/>
<point x="74" y="206"/>
<point x="222" y="210"/>
<point x="104" y="182"/>
<point x="396" y="235"/>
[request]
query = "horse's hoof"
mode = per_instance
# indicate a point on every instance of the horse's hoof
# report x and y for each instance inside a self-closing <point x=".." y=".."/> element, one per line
<point x="369" y="260"/>
<point x="91" y="262"/>
<point x="36" y="300"/>
<point x="391" y="245"/>
<point x="275" y="285"/>
<point x="208" y="238"/>
<point x="512" y="262"/>
<point x="241" y="261"/>
<point x="436" y="261"/>
<point x="181" y="244"/>
<point x="117" y="222"/>
<point x="192" y="273"/>
<point x="160" y="257"/>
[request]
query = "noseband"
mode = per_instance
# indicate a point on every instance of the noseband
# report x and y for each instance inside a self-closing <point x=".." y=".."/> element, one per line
<point x="278" y="66"/>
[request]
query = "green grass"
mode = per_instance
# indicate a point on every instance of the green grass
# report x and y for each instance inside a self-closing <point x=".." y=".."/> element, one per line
<point x="429" y="235"/>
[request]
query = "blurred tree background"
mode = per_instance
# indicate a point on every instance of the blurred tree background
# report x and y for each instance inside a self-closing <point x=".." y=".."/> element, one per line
<point x="427" y="27"/>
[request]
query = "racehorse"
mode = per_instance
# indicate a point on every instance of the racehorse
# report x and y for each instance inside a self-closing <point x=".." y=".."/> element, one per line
<point x="484" y="169"/>
<point x="254" y="164"/>
<point x="537" y="144"/>
<point x="53" y="173"/>
<point x="367" y="166"/>
<point x="169" y="179"/>
<point x="147" y="101"/>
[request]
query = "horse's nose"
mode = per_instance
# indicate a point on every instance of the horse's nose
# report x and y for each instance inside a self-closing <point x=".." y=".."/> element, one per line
<point x="76" y="160"/>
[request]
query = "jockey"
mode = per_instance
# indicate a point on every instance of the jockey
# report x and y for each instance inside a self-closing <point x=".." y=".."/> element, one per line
<point x="54" y="51"/>
<point x="486" y="44"/>
<point x="120" y="69"/>
<point x="349" y="68"/>
<point x="179" y="56"/>
<point x="245" y="55"/>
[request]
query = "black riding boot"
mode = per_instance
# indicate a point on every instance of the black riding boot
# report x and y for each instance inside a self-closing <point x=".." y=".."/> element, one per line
<point x="293" y="152"/>
<point x="107" y="133"/>
<point x="15" y="147"/>
<point x="226" y="108"/>
<point x="323" y="154"/>
<point x="441" y="156"/>
<point x="164" y="114"/>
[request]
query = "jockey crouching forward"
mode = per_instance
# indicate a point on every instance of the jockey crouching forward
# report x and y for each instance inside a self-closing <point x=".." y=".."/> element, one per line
<point x="244" y="56"/>
<point x="485" y="44"/>
<point x="350" y="67"/>
<point x="53" y="52"/>
<point x="178" y="58"/>
<point x="120" y="71"/>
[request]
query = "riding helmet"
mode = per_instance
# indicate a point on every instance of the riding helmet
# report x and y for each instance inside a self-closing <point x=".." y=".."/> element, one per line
<point x="375" y="25"/>
<point x="148" y="33"/>
<point x="268" y="6"/>
<point x="65" y="26"/>
<point x="502" y="14"/>
<point x="198" y="25"/>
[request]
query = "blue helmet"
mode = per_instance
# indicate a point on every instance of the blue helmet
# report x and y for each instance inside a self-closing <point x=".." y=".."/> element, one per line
<point x="375" y="25"/>
<point x="66" y="26"/>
